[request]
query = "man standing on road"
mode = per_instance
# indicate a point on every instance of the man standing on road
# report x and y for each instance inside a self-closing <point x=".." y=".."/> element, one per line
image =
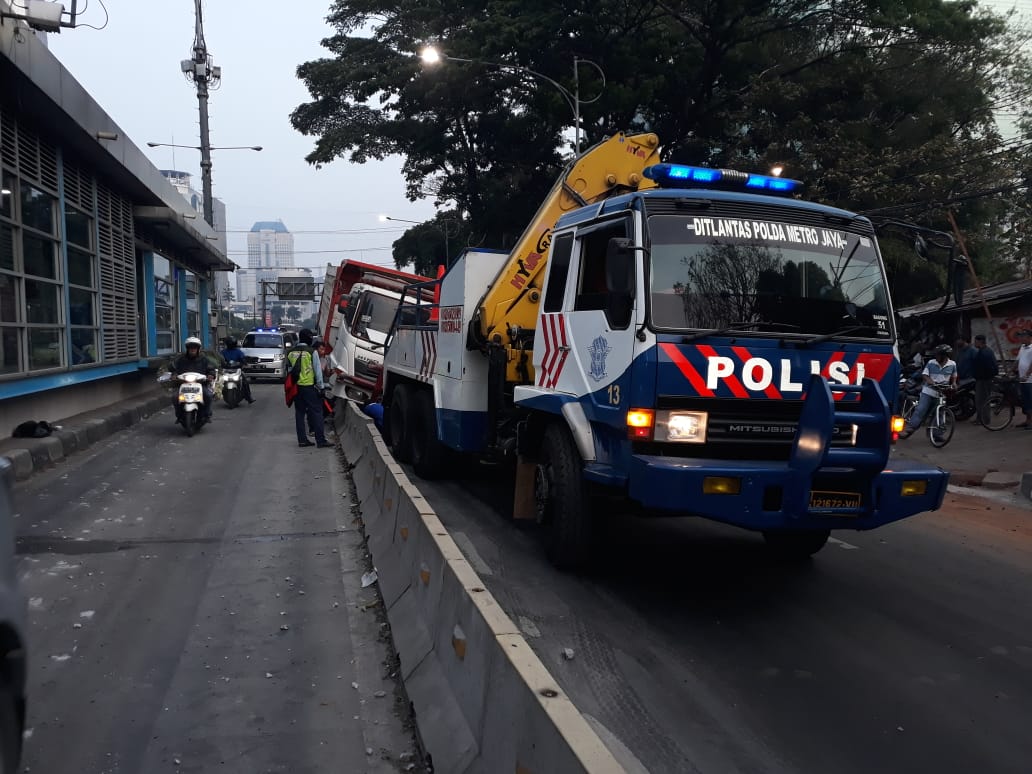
<point x="964" y="354"/>
<point x="939" y="372"/>
<point x="308" y="402"/>
<point x="984" y="369"/>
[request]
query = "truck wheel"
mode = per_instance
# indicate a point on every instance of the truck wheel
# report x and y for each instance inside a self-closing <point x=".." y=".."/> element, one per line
<point x="429" y="456"/>
<point x="562" y="501"/>
<point x="398" y="418"/>
<point x="796" y="546"/>
<point x="12" y="722"/>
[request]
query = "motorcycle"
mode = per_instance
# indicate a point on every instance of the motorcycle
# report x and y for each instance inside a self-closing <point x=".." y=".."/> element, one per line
<point x="190" y="411"/>
<point x="231" y="384"/>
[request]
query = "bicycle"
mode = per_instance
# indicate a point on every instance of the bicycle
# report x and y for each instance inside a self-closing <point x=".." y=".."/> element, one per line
<point x="941" y="419"/>
<point x="999" y="409"/>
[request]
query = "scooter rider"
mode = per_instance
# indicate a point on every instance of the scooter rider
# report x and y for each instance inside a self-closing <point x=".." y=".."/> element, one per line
<point x="233" y="352"/>
<point x="192" y="361"/>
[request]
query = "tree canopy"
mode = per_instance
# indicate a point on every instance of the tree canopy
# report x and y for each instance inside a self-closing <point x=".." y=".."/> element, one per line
<point x="888" y="107"/>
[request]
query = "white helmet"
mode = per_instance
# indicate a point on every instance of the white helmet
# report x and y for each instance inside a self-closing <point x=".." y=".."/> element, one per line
<point x="192" y="341"/>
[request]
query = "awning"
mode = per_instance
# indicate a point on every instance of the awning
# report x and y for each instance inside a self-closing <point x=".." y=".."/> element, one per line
<point x="993" y="294"/>
<point x="188" y="233"/>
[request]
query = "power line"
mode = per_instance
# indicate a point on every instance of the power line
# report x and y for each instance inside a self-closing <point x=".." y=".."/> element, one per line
<point x="390" y="230"/>
<point x="313" y="252"/>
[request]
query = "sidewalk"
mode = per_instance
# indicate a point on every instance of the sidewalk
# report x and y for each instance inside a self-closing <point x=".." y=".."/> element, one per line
<point x="975" y="456"/>
<point x="79" y="432"/>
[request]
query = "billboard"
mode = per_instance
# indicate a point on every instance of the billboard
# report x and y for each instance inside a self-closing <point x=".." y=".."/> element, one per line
<point x="295" y="289"/>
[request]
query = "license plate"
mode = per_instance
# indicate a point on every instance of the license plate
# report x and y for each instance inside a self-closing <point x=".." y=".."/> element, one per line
<point x="821" y="500"/>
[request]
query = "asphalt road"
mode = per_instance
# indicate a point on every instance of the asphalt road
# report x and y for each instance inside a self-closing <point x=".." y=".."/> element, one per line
<point x="906" y="649"/>
<point x="196" y="605"/>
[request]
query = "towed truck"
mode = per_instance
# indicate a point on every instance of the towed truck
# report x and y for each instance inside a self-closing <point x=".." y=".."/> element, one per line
<point x="355" y="315"/>
<point x="666" y="340"/>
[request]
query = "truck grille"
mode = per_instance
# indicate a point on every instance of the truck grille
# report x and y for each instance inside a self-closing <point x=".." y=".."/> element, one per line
<point x="741" y="429"/>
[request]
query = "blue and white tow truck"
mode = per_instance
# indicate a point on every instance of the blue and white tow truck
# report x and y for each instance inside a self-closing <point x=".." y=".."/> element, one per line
<point x="672" y="340"/>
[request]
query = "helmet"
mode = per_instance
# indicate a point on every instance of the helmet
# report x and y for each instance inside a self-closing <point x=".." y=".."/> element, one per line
<point x="192" y="341"/>
<point x="230" y="342"/>
<point x="943" y="349"/>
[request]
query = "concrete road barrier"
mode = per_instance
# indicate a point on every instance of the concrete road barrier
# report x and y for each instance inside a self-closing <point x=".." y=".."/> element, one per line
<point x="484" y="702"/>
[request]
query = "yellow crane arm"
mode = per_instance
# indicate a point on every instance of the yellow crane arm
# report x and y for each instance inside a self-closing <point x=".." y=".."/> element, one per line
<point x="510" y="304"/>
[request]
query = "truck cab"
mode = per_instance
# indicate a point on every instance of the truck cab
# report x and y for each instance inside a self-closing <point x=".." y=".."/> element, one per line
<point x="365" y="318"/>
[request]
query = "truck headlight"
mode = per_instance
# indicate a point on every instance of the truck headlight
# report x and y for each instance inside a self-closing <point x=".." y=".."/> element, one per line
<point x="681" y="426"/>
<point x="277" y="357"/>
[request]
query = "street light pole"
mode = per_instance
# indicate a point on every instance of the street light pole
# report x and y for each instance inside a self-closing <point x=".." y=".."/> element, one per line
<point x="431" y="55"/>
<point x="200" y="70"/>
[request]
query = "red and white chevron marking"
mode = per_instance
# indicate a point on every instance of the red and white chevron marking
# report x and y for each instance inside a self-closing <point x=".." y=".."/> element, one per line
<point x="557" y="349"/>
<point x="429" y="361"/>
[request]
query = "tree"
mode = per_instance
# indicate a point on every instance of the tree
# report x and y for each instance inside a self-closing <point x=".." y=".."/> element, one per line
<point x="879" y="105"/>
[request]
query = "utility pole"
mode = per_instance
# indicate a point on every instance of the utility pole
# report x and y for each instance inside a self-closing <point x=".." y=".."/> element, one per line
<point x="203" y="73"/>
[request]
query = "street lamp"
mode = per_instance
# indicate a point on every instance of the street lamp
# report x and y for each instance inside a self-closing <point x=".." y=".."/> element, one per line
<point x="209" y="210"/>
<point x="432" y="56"/>
<point x="447" y="257"/>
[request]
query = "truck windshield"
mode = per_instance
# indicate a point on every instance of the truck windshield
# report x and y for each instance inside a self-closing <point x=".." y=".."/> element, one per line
<point x="374" y="316"/>
<point x="714" y="272"/>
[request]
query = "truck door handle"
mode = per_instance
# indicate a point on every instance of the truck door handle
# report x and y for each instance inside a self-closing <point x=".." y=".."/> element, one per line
<point x="564" y="348"/>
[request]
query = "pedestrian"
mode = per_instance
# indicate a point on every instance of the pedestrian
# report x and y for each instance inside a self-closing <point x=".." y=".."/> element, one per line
<point x="964" y="354"/>
<point x="1025" y="375"/>
<point x="938" y="372"/>
<point x="984" y="368"/>
<point x="308" y="403"/>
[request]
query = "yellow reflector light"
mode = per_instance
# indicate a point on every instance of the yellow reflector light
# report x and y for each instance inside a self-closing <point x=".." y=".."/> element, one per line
<point x="640" y="418"/>
<point x="898" y="423"/>
<point x="640" y="423"/>
<point x="721" y="485"/>
<point x="913" y="488"/>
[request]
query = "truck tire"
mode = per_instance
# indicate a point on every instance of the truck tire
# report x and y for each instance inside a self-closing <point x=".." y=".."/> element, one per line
<point x="796" y="546"/>
<point x="428" y="455"/>
<point x="563" y="501"/>
<point x="11" y="729"/>
<point x="399" y="417"/>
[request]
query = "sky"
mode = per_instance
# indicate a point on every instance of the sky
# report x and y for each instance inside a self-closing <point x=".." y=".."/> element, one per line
<point x="131" y="68"/>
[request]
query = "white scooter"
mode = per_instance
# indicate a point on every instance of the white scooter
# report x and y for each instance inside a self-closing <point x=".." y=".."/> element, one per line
<point x="231" y="384"/>
<point x="190" y="401"/>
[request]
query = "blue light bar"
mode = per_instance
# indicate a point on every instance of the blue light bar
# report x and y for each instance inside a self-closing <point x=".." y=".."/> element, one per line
<point x="682" y="176"/>
<point x="766" y="182"/>
<point x="675" y="172"/>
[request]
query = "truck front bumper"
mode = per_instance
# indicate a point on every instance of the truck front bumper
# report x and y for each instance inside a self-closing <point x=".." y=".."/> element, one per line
<point x="773" y="496"/>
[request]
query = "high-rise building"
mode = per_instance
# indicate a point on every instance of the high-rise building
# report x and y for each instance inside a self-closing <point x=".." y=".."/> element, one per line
<point x="270" y="250"/>
<point x="270" y="246"/>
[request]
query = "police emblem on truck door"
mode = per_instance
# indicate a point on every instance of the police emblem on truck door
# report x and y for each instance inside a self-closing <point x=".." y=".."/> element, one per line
<point x="598" y="350"/>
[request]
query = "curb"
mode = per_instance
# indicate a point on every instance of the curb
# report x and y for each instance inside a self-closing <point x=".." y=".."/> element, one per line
<point x="76" y="435"/>
<point x="483" y="701"/>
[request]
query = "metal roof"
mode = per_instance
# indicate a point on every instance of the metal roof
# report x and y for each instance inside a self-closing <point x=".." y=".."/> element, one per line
<point x="993" y="294"/>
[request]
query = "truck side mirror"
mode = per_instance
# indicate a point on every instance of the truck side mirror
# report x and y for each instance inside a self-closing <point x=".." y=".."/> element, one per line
<point x="959" y="278"/>
<point x="921" y="246"/>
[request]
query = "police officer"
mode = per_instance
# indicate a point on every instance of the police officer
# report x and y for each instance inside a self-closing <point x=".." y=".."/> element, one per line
<point x="308" y="402"/>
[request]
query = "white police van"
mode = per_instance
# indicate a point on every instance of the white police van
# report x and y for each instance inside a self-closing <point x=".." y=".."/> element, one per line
<point x="265" y="352"/>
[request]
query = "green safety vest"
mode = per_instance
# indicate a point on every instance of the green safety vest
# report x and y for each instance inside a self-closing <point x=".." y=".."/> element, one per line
<point x="306" y="378"/>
